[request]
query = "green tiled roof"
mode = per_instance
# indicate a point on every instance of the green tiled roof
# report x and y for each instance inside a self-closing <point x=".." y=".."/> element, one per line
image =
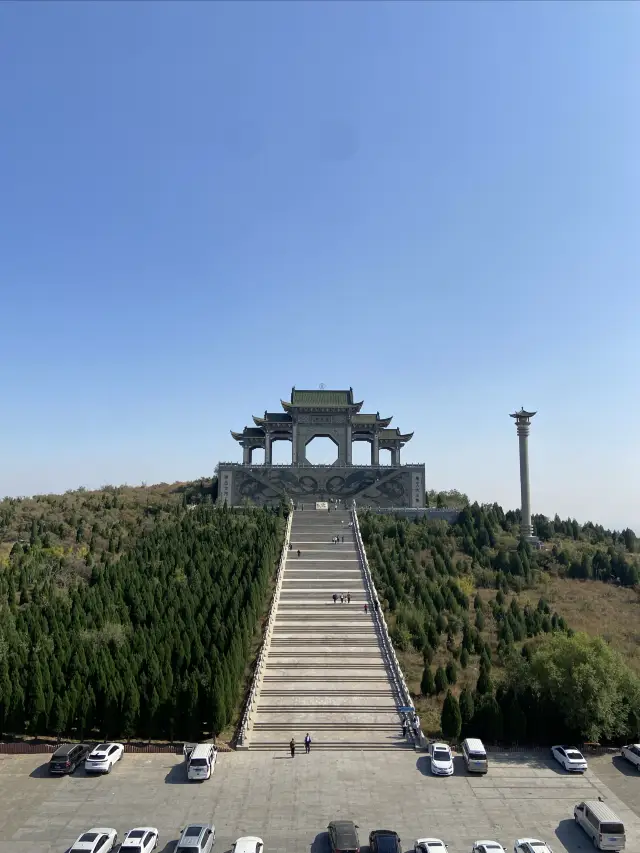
<point x="394" y="433"/>
<point x="364" y="419"/>
<point x="322" y="398"/>
<point x="278" y="416"/>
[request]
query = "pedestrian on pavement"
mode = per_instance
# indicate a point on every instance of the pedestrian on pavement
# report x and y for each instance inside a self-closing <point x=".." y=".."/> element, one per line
<point x="341" y="598"/>
<point x="299" y="552"/>
<point x="292" y="748"/>
<point x="348" y="598"/>
<point x="335" y="597"/>
<point x="366" y="609"/>
<point x="307" y="743"/>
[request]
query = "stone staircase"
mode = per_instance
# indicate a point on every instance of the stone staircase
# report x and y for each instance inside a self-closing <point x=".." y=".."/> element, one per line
<point x="325" y="673"/>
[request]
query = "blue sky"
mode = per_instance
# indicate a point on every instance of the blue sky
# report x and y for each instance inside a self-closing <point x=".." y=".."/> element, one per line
<point x="203" y="204"/>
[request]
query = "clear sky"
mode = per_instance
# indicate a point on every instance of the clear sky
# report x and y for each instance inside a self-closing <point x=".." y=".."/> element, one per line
<point x="203" y="204"/>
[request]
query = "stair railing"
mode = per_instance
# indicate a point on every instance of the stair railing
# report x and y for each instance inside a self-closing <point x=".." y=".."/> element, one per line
<point x="387" y="646"/>
<point x="258" y="673"/>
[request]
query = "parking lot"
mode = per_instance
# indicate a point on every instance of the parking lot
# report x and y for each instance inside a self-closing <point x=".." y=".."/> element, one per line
<point x="289" y="802"/>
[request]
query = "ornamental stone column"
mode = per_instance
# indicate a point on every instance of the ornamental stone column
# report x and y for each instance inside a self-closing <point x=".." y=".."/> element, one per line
<point x="523" y="423"/>
<point x="246" y="454"/>
<point x="267" y="449"/>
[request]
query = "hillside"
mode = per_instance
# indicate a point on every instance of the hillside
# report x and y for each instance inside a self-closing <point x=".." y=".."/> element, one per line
<point x="130" y="612"/>
<point x="461" y="599"/>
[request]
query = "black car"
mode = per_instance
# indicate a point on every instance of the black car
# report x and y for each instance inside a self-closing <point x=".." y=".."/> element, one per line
<point x="343" y="836"/>
<point x="67" y="757"/>
<point x="385" y="841"/>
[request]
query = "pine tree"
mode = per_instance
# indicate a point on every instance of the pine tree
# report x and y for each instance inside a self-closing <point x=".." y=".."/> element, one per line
<point x="464" y="658"/>
<point x="450" y="720"/>
<point x="452" y="672"/>
<point x="427" y="684"/>
<point x="441" y="682"/>
<point x="484" y="685"/>
<point x="466" y="708"/>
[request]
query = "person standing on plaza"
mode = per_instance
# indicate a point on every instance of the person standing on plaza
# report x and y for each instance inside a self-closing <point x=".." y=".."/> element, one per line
<point x="307" y="743"/>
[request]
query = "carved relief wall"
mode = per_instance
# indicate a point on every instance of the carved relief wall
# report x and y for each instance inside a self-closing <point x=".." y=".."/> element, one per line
<point x="370" y="486"/>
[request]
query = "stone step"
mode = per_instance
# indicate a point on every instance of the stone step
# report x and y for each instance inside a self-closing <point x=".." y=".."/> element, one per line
<point x="276" y="746"/>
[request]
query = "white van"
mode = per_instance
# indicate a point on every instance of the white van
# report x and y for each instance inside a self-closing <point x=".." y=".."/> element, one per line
<point x="602" y="825"/>
<point x="475" y="755"/>
<point x="201" y="760"/>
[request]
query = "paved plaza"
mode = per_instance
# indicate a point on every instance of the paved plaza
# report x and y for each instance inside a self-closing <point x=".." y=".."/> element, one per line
<point x="289" y="802"/>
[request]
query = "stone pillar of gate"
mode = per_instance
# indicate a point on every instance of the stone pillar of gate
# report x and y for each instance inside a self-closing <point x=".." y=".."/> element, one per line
<point x="247" y="453"/>
<point x="348" y="447"/>
<point x="375" y="449"/>
<point x="267" y="449"/>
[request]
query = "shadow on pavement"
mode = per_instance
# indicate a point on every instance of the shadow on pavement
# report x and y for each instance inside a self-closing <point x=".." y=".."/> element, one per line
<point x="625" y="767"/>
<point x="423" y="764"/>
<point x="572" y="837"/>
<point x="320" y="843"/>
<point x="177" y="775"/>
<point x="169" y="847"/>
<point x="42" y="772"/>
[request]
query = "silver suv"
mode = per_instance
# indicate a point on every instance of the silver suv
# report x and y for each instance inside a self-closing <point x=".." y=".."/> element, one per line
<point x="197" y="838"/>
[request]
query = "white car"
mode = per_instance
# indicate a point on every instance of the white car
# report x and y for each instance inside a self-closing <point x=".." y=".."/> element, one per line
<point x="570" y="758"/>
<point x="531" y="845"/>
<point x="98" y="840"/>
<point x="487" y="847"/>
<point x="441" y="759"/>
<point x="429" y="845"/>
<point x="103" y="757"/>
<point x="248" y="844"/>
<point x="142" y="839"/>
<point x="632" y="753"/>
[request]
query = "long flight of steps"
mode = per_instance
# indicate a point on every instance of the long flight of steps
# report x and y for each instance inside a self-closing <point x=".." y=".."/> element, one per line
<point x="325" y="673"/>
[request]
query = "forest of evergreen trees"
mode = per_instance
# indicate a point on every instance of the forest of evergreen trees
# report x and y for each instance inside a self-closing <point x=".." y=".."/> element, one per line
<point x="128" y="614"/>
<point x="428" y="574"/>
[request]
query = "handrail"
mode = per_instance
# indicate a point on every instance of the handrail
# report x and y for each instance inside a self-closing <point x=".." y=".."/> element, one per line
<point x="254" y="692"/>
<point x="396" y="670"/>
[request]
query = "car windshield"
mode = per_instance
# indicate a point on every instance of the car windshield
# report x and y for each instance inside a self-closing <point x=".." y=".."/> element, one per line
<point x="135" y="833"/>
<point x="441" y="755"/>
<point x="198" y="762"/>
<point x="574" y="755"/>
<point x="387" y="843"/>
<point x="87" y="837"/>
<point x="101" y="747"/>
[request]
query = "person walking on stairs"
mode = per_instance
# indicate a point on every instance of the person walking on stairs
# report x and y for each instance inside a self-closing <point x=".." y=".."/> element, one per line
<point x="404" y="727"/>
<point x="292" y="748"/>
<point x="343" y="539"/>
<point x="348" y="598"/>
<point x="298" y="552"/>
<point x="335" y="597"/>
<point x="366" y="607"/>
<point x="307" y="743"/>
<point x="341" y="598"/>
